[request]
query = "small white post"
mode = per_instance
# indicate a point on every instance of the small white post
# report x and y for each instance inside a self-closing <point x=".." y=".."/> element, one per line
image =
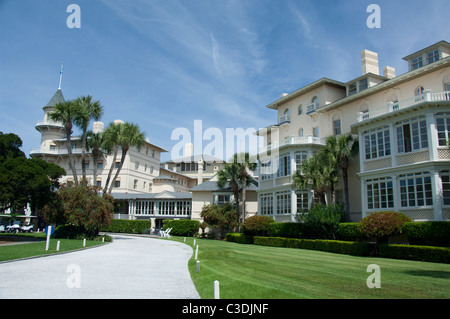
<point x="103" y="239"/>
<point x="196" y="252"/>
<point x="216" y="290"/>
<point x="184" y="239"/>
<point x="57" y="245"/>
<point x="48" y="240"/>
<point x="198" y="266"/>
<point x="84" y="242"/>
<point x="194" y="242"/>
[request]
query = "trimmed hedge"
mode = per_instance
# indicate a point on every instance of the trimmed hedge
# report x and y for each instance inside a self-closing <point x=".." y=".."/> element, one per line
<point x="239" y="238"/>
<point x="257" y="225"/>
<point x="333" y="246"/>
<point x="350" y="232"/>
<point x="185" y="227"/>
<point x="128" y="226"/>
<point x="411" y="252"/>
<point x="287" y="230"/>
<point x="433" y="233"/>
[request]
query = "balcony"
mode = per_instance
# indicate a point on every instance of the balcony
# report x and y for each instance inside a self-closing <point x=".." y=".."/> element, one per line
<point x="312" y="108"/>
<point x="392" y="107"/>
<point x="284" y="119"/>
<point x="49" y="123"/>
<point x="56" y="152"/>
<point x="306" y="140"/>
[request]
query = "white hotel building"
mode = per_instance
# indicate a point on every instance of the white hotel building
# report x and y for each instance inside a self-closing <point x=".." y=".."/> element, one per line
<point x="403" y="125"/>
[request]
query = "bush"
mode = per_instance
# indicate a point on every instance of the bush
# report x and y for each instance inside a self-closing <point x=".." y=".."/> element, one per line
<point x="428" y="233"/>
<point x="128" y="226"/>
<point x="287" y="230"/>
<point x="421" y="253"/>
<point x="322" y="221"/>
<point x="382" y="225"/>
<point x="75" y="232"/>
<point x="221" y="218"/>
<point x="349" y="232"/>
<point x="239" y="238"/>
<point x="257" y="225"/>
<point x="182" y="227"/>
<point x="333" y="246"/>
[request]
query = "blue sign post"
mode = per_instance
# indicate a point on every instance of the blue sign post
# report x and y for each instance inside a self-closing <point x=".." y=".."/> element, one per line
<point x="49" y="230"/>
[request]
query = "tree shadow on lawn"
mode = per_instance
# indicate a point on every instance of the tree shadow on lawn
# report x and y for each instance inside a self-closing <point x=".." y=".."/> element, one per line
<point x="429" y="273"/>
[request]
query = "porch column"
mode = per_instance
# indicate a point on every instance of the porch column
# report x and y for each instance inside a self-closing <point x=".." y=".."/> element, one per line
<point x="436" y="187"/>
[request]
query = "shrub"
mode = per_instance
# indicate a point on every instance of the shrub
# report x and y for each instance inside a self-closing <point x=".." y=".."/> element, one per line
<point x="223" y="218"/>
<point x="428" y="233"/>
<point x="381" y="225"/>
<point x="322" y="221"/>
<point x="75" y="232"/>
<point x="128" y="226"/>
<point x="349" y="232"/>
<point x="411" y="252"/>
<point x="270" y="241"/>
<point x="287" y="230"/>
<point x="182" y="227"/>
<point x="239" y="238"/>
<point x="257" y="225"/>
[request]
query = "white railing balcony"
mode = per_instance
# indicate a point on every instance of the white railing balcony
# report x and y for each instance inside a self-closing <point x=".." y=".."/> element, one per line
<point x="305" y="140"/>
<point x="286" y="118"/>
<point x="57" y="151"/>
<point x="392" y="107"/>
<point x="49" y="123"/>
<point x="312" y="107"/>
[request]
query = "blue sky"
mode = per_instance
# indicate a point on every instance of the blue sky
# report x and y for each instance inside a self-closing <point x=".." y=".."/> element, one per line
<point x="164" y="63"/>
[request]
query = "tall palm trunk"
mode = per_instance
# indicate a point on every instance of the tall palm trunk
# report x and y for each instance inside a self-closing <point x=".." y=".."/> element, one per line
<point x="116" y="150"/>
<point x="68" y="128"/>
<point x="83" y="159"/>
<point x="122" y="160"/>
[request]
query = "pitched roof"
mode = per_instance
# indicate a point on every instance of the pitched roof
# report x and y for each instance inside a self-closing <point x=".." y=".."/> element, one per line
<point x="57" y="97"/>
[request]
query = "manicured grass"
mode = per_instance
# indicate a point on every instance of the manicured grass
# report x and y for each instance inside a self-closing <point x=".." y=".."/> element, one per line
<point x="17" y="251"/>
<point x="258" y="272"/>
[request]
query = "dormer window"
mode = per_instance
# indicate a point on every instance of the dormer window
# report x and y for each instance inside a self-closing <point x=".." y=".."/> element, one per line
<point x="433" y="56"/>
<point x="416" y="63"/>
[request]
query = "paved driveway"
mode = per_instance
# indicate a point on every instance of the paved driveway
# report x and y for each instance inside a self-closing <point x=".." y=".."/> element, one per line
<point x="130" y="267"/>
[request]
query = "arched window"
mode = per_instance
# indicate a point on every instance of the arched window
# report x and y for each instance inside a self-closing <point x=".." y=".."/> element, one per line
<point x="300" y="109"/>
<point x="287" y="112"/>
<point x="419" y="93"/>
<point x="315" y="101"/>
<point x="300" y="132"/>
<point x="447" y="84"/>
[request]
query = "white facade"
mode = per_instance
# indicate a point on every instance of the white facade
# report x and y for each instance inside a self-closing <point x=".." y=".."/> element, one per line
<point x="384" y="111"/>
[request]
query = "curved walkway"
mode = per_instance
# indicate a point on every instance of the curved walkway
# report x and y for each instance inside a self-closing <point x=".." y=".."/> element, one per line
<point x="129" y="267"/>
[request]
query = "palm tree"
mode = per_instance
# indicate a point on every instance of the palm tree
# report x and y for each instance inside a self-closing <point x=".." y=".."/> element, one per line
<point x="95" y="143"/>
<point x="317" y="173"/>
<point x="111" y="139"/>
<point x="66" y="112"/>
<point x="130" y="135"/>
<point x="237" y="174"/>
<point x="89" y="110"/>
<point x="343" y="148"/>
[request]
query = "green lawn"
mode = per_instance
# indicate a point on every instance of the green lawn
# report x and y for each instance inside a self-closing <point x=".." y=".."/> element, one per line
<point x="257" y="272"/>
<point x="17" y="251"/>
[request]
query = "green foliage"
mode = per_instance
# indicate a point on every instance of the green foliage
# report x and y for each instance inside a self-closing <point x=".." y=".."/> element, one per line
<point x="350" y="232"/>
<point x="411" y="252"/>
<point x="223" y="218"/>
<point x="382" y="224"/>
<point x="85" y="208"/>
<point x="322" y="221"/>
<point x="128" y="226"/>
<point x="433" y="233"/>
<point x="257" y="225"/>
<point x="75" y="232"/>
<point x="239" y="238"/>
<point x="288" y="230"/>
<point x="182" y="227"/>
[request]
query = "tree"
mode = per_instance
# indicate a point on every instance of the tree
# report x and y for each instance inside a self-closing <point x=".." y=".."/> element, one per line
<point x="129" y="135"/>
<point x="342" y="149"/>
<point x="88" y="110"/>
<point x="318" y="173"/>
<point x="66" y="112"/>
<point x="221" y="217"/>
<point x="96" y="145"/>
<point x="24" y="181"/>
<point x="111" y="138"/>
<point x="237" y="174"/>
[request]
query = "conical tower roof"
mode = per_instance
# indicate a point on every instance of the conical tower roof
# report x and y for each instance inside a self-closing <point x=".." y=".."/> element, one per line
<point x="57" y="97"/>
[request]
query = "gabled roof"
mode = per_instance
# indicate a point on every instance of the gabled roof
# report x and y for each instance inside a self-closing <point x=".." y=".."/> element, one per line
<point x="57" y="98"/>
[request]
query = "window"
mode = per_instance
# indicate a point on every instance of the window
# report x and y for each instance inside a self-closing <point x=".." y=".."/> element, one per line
<point x="377" y="143"/>
<point x="433" y="56"/>
<point x="222" y="199"/>
<point x="412" y="135"/>
<point x="299" y="158"/>
<point x="117" y="165"/>
<point x="99" y="182"/>
<point x="300" y="109"/>
<point x="266" y="170"/>
<point x="302" y="202"/>
<point x="136" y="166"/>
<point x="266" y="201"/>
<point x="443" y="128"/>
<point x="419" y="93"/>
<point x="380" y="193"/>
<point x="100" y="164"/>
<point x="135" y="184"/>
<point x="300" y="132"/>
<point x="336" y="125"/>
<point x="283" y="202"/>
<point x="363" y="84"/>
<point x="415" y="190"/>
<point x="352" y="89"/>
<point x="86" y="164"/>
<point x="445" y="177"/>
<point x="447" y="87"/>
<point x="152" y="153"/>
<point x="416" y="63"/>
<point x="284" y="165"/>
<point x="316" y="131"/>
<point x="117" y="183"/>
